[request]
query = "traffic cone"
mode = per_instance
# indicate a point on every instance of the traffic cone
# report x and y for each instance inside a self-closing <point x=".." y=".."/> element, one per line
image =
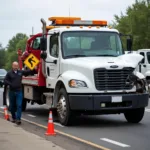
<point x="50" y="127"/>
<point x="6" y="114"/>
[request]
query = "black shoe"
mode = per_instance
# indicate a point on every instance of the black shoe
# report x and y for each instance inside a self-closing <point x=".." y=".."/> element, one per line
<point x="18" y="122"/>
<point x="13" y="120"/>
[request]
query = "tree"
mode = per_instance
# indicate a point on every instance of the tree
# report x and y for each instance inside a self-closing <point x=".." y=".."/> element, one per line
<point x="15" y="40"/>
<point x="1" y="46"/>
<point x="136" y="22"/>
<point x="22" y="44"/>
<point x="18" y="41"/>
<point x="2" y="56"/>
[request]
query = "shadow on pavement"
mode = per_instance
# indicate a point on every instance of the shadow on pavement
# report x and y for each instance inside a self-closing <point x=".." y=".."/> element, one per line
<point x="86" y="121"/>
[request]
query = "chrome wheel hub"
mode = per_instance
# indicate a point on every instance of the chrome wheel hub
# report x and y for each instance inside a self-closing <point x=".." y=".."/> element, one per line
<point x="7" y="99"/>
<point x="61" y="107"/>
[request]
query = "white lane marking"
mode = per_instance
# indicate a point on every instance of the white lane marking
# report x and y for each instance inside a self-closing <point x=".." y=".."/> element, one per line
<point x="31" y="115"/>
<point x="115" y="142"/>
<point x="58" y="124"/>
<point x="147" y="110"/>
<point x="2" y="107"/>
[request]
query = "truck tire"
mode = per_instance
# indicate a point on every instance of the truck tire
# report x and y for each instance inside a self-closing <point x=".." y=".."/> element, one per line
<point x="135" y="115"/>
<point x="6" y="101"/>
<point x="63" y="109"/>
<point x="24" y="100"/>
<point x="24" y="104"/>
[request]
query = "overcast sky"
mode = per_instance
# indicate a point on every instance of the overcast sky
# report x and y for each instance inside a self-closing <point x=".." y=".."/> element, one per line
<point x="20" y="15"/>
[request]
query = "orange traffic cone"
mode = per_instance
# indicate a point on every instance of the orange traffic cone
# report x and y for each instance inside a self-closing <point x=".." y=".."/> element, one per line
<point x="50" y="128"/>
<point x="6" y="114"/>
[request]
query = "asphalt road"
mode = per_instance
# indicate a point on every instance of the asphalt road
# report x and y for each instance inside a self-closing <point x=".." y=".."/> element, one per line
<point x="110" y="131"/>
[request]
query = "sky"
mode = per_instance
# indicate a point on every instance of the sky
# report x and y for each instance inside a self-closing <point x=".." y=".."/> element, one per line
<point x="19" y="16"/>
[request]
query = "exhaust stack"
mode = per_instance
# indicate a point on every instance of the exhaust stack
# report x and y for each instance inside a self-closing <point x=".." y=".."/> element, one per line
<point x="44" y="27"/>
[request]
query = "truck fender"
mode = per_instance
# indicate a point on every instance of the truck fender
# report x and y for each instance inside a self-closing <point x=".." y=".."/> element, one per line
<point x="139" y="75"/>
<point x="64" y="79"/>
<point x="69" y="75"/>
<point x="147" y="74"/>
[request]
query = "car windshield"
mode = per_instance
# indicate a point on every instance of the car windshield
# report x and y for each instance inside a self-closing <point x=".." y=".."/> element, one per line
<point x="3" y="72"/>
<point x="90" y="43"/>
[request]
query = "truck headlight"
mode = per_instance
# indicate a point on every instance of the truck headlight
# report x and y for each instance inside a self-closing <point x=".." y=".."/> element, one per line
<point x="77" y="83"/>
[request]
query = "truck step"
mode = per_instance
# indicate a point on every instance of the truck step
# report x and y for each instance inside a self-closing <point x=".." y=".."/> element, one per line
<point x="49" y="99"/>
<point x="48" y="94"/>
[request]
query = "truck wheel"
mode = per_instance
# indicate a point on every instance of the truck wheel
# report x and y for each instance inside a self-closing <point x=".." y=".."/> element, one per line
<point x="24" y="104"/>
<point x="63" y="109"/>
<point x="135" y="115"/>
<point x="24" y="100"/>
<point x="148" y="81"/>
<point x="6" y="98"/>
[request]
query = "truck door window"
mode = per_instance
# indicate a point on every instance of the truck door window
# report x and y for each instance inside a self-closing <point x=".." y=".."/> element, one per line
<point x="36" y="43"/>
<point x="54" y="49"/>
<point x="148" y="57"/>
<point x="143" y="60"/>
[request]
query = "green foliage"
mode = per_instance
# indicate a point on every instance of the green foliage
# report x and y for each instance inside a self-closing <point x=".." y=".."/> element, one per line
<point x="15" y="40"/>
<point x="2" y="56"/>
<point x="136" y="22"/>
<point x="11" y="56"/>
<point x="22" y="44"/>
<point x="18" y="41"/>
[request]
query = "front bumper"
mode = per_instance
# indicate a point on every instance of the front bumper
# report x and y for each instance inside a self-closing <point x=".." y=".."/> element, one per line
<point x="92" y="102"/>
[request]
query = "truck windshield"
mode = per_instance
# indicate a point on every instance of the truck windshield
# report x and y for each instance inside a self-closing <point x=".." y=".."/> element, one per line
<point x="90" y="43"/>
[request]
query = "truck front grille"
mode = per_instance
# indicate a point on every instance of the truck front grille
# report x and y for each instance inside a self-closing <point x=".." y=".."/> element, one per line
<point x="112" y="79"/>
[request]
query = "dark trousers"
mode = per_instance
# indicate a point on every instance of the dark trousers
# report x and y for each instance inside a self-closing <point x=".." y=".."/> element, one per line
<point x="15" y="104"/>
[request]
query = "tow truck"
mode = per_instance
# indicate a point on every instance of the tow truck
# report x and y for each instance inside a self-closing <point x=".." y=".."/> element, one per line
<point x="83" y="69"/>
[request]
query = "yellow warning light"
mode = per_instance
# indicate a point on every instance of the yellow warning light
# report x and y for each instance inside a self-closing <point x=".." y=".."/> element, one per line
<point x="63" y="18"/>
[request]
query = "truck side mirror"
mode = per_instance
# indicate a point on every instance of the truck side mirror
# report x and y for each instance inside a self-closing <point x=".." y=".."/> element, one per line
<point x="43" y="55"/>
<point x="43" y="44"/>
<point x="129" y="44"/>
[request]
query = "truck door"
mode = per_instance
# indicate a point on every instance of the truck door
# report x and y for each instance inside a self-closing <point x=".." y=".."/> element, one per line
<point x="52" y="61"/>
<point x="142" y="66"/>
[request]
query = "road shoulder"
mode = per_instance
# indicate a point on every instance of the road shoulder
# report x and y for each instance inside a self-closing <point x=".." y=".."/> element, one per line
<point x="15" y="138"/>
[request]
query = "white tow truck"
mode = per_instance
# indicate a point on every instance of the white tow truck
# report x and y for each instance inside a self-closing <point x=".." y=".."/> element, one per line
<point x="87" y="72"/>
<point x="90" y="73"/>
